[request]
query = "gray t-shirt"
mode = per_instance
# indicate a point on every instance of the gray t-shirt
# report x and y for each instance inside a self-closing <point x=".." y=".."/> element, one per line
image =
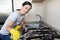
<point x="16" y="17"/>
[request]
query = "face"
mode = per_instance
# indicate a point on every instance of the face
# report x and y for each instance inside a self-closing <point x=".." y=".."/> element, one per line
<point x="25" y="9"/>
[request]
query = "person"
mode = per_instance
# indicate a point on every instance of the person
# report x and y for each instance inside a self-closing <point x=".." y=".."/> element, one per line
<point x="15" y="18"/>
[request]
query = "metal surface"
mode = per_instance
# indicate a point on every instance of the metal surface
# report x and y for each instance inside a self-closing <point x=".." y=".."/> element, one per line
<point x="39" y="33"/>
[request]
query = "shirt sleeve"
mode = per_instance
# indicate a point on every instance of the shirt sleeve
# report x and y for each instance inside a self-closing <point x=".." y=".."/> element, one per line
<point x="13" y="16"/>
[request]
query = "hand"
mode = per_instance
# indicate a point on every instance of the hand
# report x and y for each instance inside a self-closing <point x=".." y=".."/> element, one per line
<point x="15" y="34"/>
<point x="18" y="27"/>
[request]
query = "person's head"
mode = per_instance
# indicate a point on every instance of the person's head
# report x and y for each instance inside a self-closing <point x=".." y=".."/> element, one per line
<point x="26" y="7"/>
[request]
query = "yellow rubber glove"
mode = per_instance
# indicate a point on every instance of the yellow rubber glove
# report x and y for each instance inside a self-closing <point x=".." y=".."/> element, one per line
<point x="15" y="34"/>
<point x="18" y="27"/>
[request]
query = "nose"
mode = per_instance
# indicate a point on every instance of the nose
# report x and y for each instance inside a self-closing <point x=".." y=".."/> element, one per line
<point x="26" y="10"/>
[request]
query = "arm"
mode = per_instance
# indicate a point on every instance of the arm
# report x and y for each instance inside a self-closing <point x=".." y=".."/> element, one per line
<point x="9" y="26"/>
<point x="20" y="26"/>
<point x="22" y="22"/>
<point x="15" y="33"/>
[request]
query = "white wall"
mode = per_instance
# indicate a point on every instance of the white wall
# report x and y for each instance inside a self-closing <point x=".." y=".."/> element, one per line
<point x="5" y="6"/>
<point x="52" y="15"/>
<point x="18" y="3"/>
<point x="37" y="8"/>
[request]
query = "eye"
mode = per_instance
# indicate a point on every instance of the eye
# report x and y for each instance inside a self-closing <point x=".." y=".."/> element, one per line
<point x="26" y="8"/>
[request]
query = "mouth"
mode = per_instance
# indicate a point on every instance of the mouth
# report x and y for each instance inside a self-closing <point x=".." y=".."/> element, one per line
<point x="22" y="14"/>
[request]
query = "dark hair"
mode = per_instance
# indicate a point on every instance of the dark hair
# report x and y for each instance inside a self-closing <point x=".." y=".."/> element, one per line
<point x="27" y="3"/>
